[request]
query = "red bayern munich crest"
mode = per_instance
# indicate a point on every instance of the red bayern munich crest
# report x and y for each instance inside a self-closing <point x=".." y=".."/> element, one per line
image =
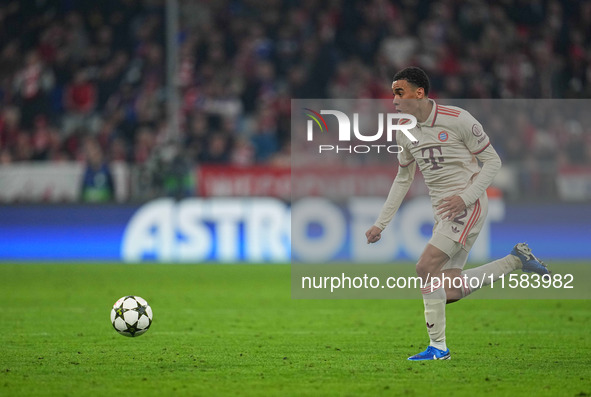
<point x="443" y="136"/>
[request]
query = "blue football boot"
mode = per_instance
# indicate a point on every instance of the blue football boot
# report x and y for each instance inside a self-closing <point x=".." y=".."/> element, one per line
<point x="432" y="353"/>
<point x="530" y="264"/>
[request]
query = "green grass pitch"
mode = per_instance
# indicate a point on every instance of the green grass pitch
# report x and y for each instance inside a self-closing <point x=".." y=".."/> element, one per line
<point x="234" y="330"/>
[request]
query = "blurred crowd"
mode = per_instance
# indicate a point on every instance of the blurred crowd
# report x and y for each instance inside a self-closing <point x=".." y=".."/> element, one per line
<point x="73" y="71"/>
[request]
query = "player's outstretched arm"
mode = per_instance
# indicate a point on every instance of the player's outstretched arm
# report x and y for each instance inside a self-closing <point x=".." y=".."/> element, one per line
<point x="397" y="193"/>
<point x="491" y="164"/>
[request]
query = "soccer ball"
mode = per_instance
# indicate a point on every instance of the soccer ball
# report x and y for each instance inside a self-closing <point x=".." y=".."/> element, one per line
<point x="131" y="316"/>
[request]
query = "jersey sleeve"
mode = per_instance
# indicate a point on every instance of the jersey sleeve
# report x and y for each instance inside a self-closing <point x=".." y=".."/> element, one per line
<point x="473" y="134"/>
<point x="398" y="191"/>
<point x="401" y="184"/>
<point x="491" y="164"/>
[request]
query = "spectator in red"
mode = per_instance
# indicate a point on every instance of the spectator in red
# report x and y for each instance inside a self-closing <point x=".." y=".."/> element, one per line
<point x="80" y="100"/>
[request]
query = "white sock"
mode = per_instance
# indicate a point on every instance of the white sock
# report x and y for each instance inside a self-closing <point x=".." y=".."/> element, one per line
<point x="435" y="315"/>
<point x="483" y="273"/>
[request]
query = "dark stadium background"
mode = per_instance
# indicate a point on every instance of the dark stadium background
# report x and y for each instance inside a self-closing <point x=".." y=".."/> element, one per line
<point x="185" y="99"/>
<point x="137" y="134"/>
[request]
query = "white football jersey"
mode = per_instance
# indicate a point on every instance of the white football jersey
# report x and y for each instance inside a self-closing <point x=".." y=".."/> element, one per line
<point x="445" y="152"/>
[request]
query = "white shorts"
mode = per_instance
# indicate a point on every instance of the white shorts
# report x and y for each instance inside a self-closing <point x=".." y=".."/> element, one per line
<point x="456" y="237"/>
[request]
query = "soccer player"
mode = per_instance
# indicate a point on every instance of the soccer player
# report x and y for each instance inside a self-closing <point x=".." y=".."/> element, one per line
<point x="450" y="140"/>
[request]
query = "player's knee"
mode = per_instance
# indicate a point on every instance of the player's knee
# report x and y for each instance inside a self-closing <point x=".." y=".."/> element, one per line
<point x="431" y="262"/>
<point x="425" y="268"/>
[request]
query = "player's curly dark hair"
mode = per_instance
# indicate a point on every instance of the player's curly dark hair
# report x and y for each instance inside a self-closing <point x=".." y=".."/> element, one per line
<point x="415" y="76"/>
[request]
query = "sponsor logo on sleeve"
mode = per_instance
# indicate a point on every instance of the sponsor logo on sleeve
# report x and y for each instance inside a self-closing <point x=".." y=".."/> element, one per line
<point x="477" y="130"/>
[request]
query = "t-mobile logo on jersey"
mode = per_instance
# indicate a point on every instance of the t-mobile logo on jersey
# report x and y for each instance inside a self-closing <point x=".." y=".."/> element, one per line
<point x="394" y="122"/>
<point x="432" y="159"/>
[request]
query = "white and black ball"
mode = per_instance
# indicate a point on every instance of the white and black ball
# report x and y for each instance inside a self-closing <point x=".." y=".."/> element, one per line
<point x="131" y="316"/>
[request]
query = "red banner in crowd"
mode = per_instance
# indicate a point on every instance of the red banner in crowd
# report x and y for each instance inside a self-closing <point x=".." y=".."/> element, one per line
<point x="574" y="183"/>
<point x="335" y="182"/>
<point x="219" y="180"/>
